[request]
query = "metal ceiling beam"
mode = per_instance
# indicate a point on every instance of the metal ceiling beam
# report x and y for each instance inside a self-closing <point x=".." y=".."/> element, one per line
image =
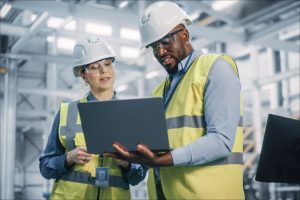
<point x="64" y="59"/>
<point x="35" y="27"/>
<point x="17" y="30"/>
<point x="65" y="9"/>
<point x="258" y="38"/>
<point x="281" y="9"/>
<point x="273" y="30"/>
<point x="72" y="95"/>
<point x="279" y="77"/>
<point x="216" y="34"/>
<point x="12" y="29"/>
<point x="263" y="12"/>
<point x="277" y="45"/>
<point x="80" y="34"/>
<point x="199" y="7"/>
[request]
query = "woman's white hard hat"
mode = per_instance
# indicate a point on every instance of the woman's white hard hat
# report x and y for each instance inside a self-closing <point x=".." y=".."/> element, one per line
<point x="90" y="50"/>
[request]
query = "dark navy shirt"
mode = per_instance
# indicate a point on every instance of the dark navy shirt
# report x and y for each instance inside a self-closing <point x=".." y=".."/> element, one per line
<point x="53" y="158"/>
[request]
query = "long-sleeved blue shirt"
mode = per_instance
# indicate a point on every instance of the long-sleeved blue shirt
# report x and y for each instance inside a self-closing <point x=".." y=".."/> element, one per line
<point x="53" y="158"/>
<point x="222" y="114"/>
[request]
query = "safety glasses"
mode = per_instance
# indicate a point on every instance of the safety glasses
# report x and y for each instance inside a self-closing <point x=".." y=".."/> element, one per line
<point x="165" y="42"/>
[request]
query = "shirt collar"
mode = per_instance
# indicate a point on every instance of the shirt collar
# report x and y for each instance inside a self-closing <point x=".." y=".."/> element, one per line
<point x="90" y="97"/>
<point x="194" y="54"/>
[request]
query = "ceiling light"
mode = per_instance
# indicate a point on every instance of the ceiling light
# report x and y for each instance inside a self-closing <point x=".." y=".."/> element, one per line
<point x="123" y="4"/>
<point x="93" y="28"/>
<point x="65" y="43"/>
<point x="55" y="22"/>
<point x="130" y="34"/>
<point x="4" y="10"/>
<point x="71" y="26"/>
<point x="129" y="52"/>
<point x="50" y="39"/>
<point x="221" y="5"/>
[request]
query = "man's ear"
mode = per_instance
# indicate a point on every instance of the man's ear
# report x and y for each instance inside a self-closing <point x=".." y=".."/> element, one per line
<point x="185" y="35"/>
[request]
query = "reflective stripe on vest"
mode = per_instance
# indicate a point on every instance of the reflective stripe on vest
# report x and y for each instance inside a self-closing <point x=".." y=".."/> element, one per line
<point x="84" y="177"/>
<point x="72" y="127"/>
<point x="233" y="158"/>
<point x="191" y="121"/>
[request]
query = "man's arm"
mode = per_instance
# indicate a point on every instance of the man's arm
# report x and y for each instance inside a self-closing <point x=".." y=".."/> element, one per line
<point x="222" y="114"/>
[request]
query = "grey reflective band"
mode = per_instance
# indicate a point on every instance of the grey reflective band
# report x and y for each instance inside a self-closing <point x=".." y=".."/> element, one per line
<point x="233" y="158"/>
<point x="84" y="177"/>
<point x="186" y="121"/>
<point x="191" y="121"/>
<point x="72" y="127"/>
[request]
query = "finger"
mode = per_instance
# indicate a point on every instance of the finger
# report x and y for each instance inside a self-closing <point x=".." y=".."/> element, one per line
<point x="145" y="151"/>
<point x="84" y="153"/>
<point x="82" y="148"/>
<point x="144" y="145"/>
<point x="121" y="151"/>
<point x="120" y="145"/>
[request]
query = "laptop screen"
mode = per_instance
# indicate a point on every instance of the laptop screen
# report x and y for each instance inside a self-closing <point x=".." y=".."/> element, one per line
<point x="129" y="122"/>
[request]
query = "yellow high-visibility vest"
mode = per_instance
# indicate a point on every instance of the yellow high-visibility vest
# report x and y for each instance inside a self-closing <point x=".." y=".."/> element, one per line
<point x="221" y="179"/>
<point x="78" y="182"/>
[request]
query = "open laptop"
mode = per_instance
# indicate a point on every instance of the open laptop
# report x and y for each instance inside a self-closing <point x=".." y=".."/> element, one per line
<point x="128" y="122"/>
<point x="280" y="155"/>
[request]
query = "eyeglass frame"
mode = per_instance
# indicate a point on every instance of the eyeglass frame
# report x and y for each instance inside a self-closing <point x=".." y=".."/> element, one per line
<point x="156" y="45"/>
<point x="86" y="69"/>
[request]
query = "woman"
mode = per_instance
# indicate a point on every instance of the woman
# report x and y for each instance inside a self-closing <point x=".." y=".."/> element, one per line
<point x="65" y="157"/>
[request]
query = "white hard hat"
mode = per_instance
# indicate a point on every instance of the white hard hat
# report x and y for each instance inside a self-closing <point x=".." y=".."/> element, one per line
<point x="159" y="19"/>
<point x="90" y="50"/>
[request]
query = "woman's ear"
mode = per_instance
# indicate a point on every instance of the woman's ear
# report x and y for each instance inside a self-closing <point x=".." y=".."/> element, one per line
<point x="83" y="76"/>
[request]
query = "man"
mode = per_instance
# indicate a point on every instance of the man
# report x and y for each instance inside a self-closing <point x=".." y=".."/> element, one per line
<point x="203" y="111"/>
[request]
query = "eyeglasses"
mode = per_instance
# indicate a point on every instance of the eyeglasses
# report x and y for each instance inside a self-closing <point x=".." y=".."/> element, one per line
<point x="96" y="67"/>
<point x="165" y="42"/>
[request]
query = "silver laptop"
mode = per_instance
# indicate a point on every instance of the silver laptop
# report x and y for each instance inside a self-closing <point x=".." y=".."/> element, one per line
<point x="128" y="122"/>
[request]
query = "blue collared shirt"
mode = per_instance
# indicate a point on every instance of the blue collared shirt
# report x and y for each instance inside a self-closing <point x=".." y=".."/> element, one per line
<point x="53" y="157"/>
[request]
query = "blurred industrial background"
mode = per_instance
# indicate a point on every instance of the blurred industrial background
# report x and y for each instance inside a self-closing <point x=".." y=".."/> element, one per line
<point x="36" y="42"/>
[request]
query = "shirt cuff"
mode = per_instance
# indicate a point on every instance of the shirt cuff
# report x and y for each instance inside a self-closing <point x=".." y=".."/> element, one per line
<point x="61" y="162"/>
<point x="180" y="157"/>
<point x="135" y="166"/>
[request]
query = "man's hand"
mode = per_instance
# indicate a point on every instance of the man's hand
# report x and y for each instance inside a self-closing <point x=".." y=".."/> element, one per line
<point x="143" y="156"/>
<point x="78" y="156"/>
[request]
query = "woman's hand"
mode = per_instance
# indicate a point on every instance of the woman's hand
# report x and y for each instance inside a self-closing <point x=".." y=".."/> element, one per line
<point x="78" y="156"/>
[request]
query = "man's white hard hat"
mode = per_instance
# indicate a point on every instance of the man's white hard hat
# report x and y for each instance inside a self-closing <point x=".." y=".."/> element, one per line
<point x="159" y="19"/>
<point x="90" y="50"/>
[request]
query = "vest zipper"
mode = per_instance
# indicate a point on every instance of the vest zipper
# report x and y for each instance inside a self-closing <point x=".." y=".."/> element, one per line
<point x="100" y="164"/>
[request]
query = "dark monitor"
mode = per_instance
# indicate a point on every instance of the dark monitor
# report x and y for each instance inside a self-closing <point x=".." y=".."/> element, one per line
<point x="279" y="160"/>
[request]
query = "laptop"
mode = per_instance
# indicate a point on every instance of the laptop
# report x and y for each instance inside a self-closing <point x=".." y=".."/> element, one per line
<point x="128" y="121"/>
<point x="279" y="160"/>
